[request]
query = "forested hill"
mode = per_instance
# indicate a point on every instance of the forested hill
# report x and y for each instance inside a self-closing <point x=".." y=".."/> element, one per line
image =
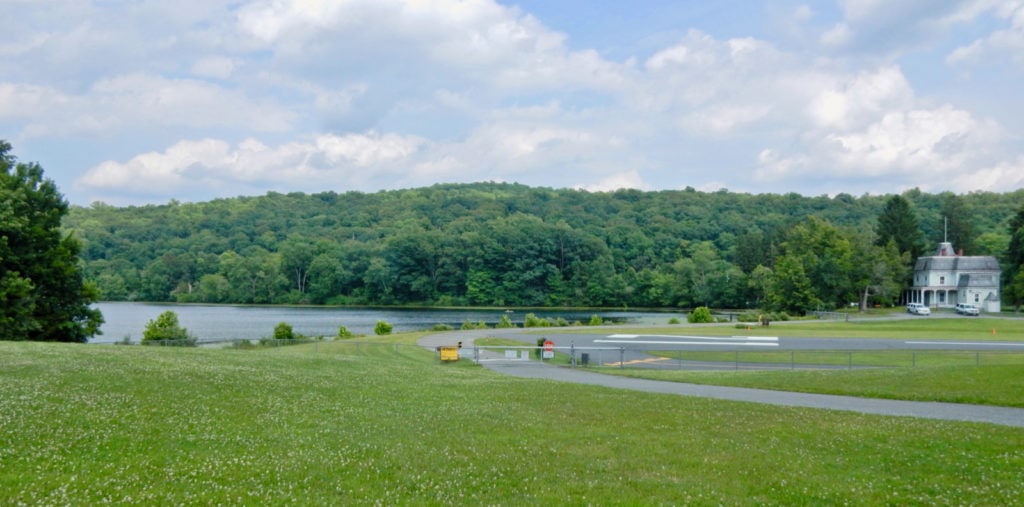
<point x="498" y="244"/>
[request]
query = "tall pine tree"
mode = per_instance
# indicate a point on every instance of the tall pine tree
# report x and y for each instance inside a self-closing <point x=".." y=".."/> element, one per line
<point x="42" y="294"/>
<point x="899" y="224"/>
<point x="959" y="227"/>
<point x="1013" y="280"/>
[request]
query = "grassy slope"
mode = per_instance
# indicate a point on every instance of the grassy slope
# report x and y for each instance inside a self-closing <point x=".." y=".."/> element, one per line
<point x="344" y="424"/>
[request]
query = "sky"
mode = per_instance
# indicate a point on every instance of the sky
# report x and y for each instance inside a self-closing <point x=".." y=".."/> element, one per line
<point x="138" y="102"/>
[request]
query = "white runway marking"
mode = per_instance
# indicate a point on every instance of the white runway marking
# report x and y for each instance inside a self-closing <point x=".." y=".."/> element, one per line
<point x="973" y="344"/>
<point x="743" y="341"/>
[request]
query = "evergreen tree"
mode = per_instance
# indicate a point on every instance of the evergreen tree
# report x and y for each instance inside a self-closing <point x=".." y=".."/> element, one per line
<point x="42" y="294"/>
<point x="1014" y="261"/>
<point x="899" y="223"/>
<point x="959" y="226"/>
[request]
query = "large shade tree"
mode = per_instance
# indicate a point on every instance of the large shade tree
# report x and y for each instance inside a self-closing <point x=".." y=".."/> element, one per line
<point x="42" y="294"/>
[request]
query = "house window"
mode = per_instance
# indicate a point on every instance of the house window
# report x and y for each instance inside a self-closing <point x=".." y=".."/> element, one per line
<point x="942" y="280"/>
<point x="975" y="298"/>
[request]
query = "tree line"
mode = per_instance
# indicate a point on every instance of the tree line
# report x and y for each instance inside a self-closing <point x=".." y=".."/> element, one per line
<point x="497" y="244"/>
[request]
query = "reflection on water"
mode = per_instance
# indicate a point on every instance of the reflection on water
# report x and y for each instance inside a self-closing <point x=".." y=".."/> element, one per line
<point x="222" y="322"/>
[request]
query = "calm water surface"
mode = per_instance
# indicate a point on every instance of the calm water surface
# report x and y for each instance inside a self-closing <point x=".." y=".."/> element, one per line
<point x="223" y="322"/>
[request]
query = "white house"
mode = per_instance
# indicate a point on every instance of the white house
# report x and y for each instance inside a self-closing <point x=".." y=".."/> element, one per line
<point x="945" y="279"/>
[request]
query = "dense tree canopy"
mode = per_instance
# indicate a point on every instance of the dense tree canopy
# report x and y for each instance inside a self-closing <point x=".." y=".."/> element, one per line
<point x="42" y="292"/>
<point x="511" y="245"/>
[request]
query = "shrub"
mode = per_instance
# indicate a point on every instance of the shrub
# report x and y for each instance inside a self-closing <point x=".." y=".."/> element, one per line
<point x="440" y="326"/>
<point x="700" y="315"/>
<point x="166" y="329"/>
<point x="470" y="325"/>
<point x="283" y="331"/>
<point x="382" y="328"/>
<point x="595" y="320"/>
<point x="505" y="322"/>
<point x="534" y="321"/>
<point x="673" y="320"/>
<point x="343" y="332"/>
<point x="748" y="317"/>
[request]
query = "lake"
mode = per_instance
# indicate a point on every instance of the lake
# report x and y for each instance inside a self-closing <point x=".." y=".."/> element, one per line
<point x="226" y="322"/>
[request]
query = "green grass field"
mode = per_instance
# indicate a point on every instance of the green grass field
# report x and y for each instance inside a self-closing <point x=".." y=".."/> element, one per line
<point x="341" y="423"/>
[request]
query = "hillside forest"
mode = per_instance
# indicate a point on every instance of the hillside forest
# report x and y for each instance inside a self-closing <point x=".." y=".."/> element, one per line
<point x="498" y="244"/>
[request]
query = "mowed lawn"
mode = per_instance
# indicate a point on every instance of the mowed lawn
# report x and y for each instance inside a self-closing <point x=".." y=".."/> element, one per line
<point x="340" y="423"/>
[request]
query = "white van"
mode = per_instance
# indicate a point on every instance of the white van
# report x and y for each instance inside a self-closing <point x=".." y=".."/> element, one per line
<point x="918" y="309"/>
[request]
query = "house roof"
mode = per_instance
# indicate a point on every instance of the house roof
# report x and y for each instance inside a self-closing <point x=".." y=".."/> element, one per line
<point x="957" y="263"/>
<point x="977" y="280"/>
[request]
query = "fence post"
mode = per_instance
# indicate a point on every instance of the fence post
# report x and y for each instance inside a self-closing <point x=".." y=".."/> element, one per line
<point x="792" y="360"/>
<point x="850" y="359"/>
<point x="622" y="357"/>
<point x="736" y="364"/>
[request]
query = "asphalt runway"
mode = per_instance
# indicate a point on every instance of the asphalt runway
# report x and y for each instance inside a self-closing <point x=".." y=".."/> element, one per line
<point x="631" y="348"/>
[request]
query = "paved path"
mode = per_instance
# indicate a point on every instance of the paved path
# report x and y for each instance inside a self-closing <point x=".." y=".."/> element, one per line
<point x="931" y="410"/>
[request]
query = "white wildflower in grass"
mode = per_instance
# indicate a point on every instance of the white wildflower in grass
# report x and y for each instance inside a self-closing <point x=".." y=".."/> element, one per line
<point x="343" y="423"/>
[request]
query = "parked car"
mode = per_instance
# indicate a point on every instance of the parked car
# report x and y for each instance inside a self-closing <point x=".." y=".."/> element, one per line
<point x="966" y="309"/>
<point x="918" y="309"/>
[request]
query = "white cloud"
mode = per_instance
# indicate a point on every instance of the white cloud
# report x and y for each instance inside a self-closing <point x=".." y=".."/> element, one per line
<point x="353" y="157"/>
<point x="839" y="35"/>
<point x="926" y="146"/>
<point x="476" y="39"/>
<point x="1002" y="177"/>
<point x="21" y="100"/>
<point x="136" y="102"/>
<point x="1006" y="41"/>
<point x="723" y="119"/>
<point x="217" y="67"/>
<point x="803" y="13"/>
<point x="886" y="27"/>
<point x="370" y="94"/>
<point x="863" y="96"/>
<point x="626" y="180"/>
<point x="938" y="141"/>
